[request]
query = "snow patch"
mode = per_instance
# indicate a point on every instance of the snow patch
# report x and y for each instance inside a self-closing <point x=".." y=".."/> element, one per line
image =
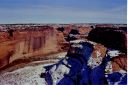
<point x="29" y="75"/>
<point x="113" y="53"/>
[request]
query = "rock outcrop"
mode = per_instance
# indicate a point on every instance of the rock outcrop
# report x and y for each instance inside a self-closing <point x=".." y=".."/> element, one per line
<point x="30" y="43"/>
<point x="100" y="61"/>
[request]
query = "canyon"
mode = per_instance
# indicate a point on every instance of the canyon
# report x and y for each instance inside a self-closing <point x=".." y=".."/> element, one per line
<point x="29" y="43"/>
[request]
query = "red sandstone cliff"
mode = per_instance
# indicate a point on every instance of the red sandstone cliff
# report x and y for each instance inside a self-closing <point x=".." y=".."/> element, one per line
<point x="29" y="43"/>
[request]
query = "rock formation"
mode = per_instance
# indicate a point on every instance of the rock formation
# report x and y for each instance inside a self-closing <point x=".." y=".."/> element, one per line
<point x="33" y="43"/>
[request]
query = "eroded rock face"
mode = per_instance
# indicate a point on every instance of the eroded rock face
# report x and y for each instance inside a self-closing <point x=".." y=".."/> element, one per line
<point x="30" y="43"/>
<point x="109" y="37"/>
<point x="5" y="53"/>
<point x="115" y="42"/>
<point x="88" y="63"/>
<point x="119" y="63"/>
<point x="36" y="43"/>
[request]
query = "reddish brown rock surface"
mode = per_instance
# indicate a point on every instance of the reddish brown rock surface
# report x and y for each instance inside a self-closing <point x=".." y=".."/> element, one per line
<point x="44" y="40"/>
<point x="28" y="43"/>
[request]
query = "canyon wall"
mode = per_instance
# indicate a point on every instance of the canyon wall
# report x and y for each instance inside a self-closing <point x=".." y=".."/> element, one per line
<point x="35" y="43"/>
<point x="30" y="44"/>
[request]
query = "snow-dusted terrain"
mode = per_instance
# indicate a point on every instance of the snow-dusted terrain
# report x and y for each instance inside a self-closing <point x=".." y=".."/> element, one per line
<point x="27" y="75"/>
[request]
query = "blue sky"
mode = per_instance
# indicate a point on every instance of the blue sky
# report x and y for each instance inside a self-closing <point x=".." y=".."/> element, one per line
<point x="63" y="11"/>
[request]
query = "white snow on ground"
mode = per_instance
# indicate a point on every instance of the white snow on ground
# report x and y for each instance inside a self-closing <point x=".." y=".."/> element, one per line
<point x="77" y="46"/>
<point x="77" y="41"/>
<point x="94" y="62"/>
<point x="58" y="73"/>
<point x="81" y="40"/>
<point x="113" y="53"/>
<point x="29" y="75"/>
<point x="108" y="69"/>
